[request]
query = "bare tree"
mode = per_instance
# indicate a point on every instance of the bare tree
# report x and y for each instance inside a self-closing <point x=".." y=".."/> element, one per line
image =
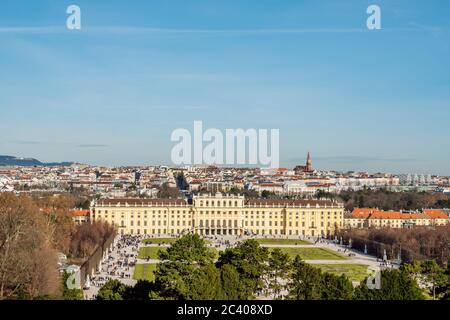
<point x="27" y="258"/>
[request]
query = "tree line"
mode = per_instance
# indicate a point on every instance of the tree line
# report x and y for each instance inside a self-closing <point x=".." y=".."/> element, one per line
<point x="419" y="243"/>
<point x="390" y="200"/>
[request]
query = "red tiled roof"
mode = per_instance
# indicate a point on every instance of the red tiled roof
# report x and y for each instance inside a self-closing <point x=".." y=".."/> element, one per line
<point x="80" y="213"/>
<point x="435" y="213"/>
<point x="372" y="213"/>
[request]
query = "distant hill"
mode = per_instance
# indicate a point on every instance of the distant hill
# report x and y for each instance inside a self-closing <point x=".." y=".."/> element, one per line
<point x="29" y="162"/>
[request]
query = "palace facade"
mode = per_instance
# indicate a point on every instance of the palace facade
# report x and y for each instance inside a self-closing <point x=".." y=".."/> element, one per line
<point x="221" y="215"/>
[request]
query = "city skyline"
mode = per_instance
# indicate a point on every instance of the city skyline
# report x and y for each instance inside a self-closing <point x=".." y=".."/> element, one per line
<point x="112" y="92"/>
<point x="307" y="167"/>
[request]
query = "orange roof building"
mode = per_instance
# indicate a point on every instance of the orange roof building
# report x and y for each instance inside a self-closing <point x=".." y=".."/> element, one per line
<point x="373" y="217"/>
<point x="80" y="216"/>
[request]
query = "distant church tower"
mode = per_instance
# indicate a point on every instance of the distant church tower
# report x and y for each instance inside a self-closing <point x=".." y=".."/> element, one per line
<point x="308" y="163"/>
<point x="306" y="168"/>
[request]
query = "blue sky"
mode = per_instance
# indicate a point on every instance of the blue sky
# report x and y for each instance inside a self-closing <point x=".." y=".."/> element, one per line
<point x="113" y="92"/>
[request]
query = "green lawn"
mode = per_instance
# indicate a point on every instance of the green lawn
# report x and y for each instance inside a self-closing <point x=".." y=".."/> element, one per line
<point x="282" y="241"/>
<point x="144" y="272"/>
<point x="159" y="240"/>
<point x="312" y="253"/>
<point x="162" y="240"/>
<point x="355" y="272"/>
<point x="151" y="252"/>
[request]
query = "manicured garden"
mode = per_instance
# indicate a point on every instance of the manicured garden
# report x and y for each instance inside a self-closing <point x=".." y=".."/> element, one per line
<point x="159" y="240"/>
<point x="151" y="252"/>
<point x="144" y="272"/>
<point x="283" y="241"/>
<point x="162" y="241"/>
<point x="313" y="254"/>
<point x="355" y="272"/>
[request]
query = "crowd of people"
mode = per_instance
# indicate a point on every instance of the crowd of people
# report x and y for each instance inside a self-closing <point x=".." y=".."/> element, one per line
<point x="219" y="242"/>
<point x="120" y="262"/>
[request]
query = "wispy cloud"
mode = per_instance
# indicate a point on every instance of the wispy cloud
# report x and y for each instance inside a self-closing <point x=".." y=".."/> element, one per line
<point x="191" y="77"/>
<point x="192" y="107"/>
<point x="175" y="31"/>
<point x="32" y="29"/>
<point x="168" y="31"/>
<point x="149" y="31"/>
<point x="92" y="145"/>
<point x="26" y="142"/>
<point x="434" y="30"/>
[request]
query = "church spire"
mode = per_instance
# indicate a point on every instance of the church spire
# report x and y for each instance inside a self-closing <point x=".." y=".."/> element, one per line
<point x="308" y="162"/>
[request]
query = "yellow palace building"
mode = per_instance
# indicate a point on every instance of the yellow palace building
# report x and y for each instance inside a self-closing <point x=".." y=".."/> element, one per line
<point x="221" y="215"/>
